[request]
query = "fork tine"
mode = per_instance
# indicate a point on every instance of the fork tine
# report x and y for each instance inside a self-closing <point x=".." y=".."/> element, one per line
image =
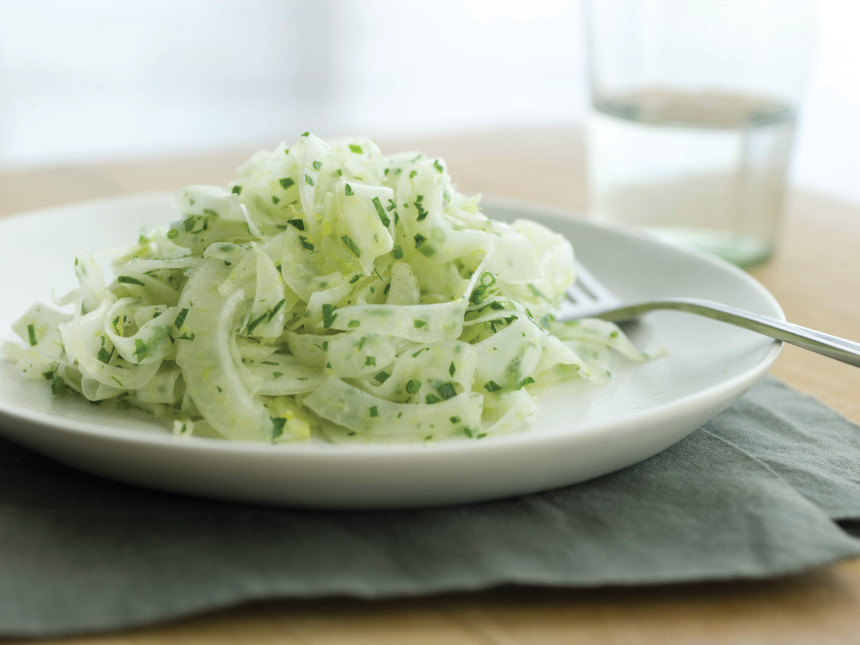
<point x="599" y="292"/>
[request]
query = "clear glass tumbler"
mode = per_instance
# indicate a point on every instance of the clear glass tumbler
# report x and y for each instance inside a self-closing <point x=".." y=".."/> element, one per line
<point x="693" y="112"/>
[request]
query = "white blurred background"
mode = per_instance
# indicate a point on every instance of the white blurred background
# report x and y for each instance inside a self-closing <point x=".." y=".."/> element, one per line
<point x="96" y="80"/>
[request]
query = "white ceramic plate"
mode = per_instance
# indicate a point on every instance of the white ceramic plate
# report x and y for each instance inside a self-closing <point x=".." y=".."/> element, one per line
<point x="580" y="431"/>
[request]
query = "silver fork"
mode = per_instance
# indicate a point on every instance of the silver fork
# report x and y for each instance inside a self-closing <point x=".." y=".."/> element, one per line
<point x="589" y="298"/>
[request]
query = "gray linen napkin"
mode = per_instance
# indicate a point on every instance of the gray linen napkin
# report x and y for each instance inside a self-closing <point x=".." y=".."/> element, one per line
<point x="754" y="493"/>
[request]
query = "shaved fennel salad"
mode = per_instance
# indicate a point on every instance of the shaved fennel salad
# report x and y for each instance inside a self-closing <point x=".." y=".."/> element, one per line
<point x="330" y="292"/>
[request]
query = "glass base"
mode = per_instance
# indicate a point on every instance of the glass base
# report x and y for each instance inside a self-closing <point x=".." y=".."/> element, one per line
<point x="740" y="250"/>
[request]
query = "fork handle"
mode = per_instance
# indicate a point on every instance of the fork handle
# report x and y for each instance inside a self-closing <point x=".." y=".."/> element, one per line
<point x="841" y="349"/>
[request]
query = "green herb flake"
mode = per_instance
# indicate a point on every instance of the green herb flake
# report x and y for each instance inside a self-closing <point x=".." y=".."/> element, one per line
<point x="286" y="182"/>
<point x="277" y="426"/>
<point x="305" y="133"/>
<point x="380" y="210"/>
<point x="309" y="180"/>
<point x="141" y="348"/>
<point x="180" y="318"/>
<point x="356" y="149"/>
<point x="419" y="240"/>
<point x="237" y="190"/>
<point x="412" y="386"/>
<point x="31" y="332"/>
<point x="253" y="324"/>
<point x="370" y="361"/>
<point x="374" y="411"/>
<point x="317" y="165"/>
<point x="447" y="390"/>
<point x="104" y="355"/>
<point x="58" y="385"/>
<point x="355" y="278"/>
<point x="452" y="368"/>
<point x="346" y="239"/>
<point x="492" y="386"/>
<point x="275" y="310"/>
<point x="431" y="399"/>
<point x="419" y="324"/>
<point x="126" y="279"/>
<point x="455" y="419"/>
<point x="348" y="191"/>
<point x="397" y="252"/>
<point x="352" y="324"/>
<point x="305" y="244"/>
<point x="438" y="166"/>
<point x="328" y="315"/>
<point x="382" y="377"/>
<point x="468" y="432"/>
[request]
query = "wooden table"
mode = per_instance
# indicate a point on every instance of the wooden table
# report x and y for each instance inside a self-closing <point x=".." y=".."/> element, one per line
<point x="815" y="276"/>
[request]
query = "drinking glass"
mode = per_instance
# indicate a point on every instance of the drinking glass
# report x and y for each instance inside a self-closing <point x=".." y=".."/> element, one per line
<point x="694" y="106"/>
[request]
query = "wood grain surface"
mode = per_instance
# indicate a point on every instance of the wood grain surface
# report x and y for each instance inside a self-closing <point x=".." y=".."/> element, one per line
<point x="816" y="278"/>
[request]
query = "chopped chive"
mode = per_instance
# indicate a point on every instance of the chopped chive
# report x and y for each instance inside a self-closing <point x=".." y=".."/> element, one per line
<point x="432" y="398"/>
<point x="328" y="315"/>
<point x="355" y="278"/>
<point x="104" y="355"/>
<point x="31" y="332"/>
<point x="253" y="324"/>
<point x="351" y="245"/>
<point x="374" y="411"/>
<point x="172" y="233"/>
<point x="420" y="323"/>
<point x="141" y="349"/>
<point x="58" y="385"/>
<point x="125" y="279"/>
<point x="305" y="244"/>
<point x="413" y="174"/>
<point x="613" y="334"/>
<point x="382" y="377"/>
<point x="298" y="223"/>
<point x="277" y="426"/>
<point x="370" y="361"/>
<point x="377" y="204"/>
<point x="526" y="381"/>
<point x="419" y="240"/>
<point x="286" y="182"/>
<point x="438" y="166"/>
<point x="317" y="165"/>
<point x="452" y="368"/>
<point x="423" y="349"/>
<point x="180" y="318"/>
<point x="468" y="432"/>
<point x="356" y="149"/>
<point x="354" y="323"/>
<point x="412" y="386"/>
<point x="275" y="199"/>
<point x="492" y="386"/>
<point x="348" y="191"/>
<point x="309" y="180"/>
<point x="397" y="251"/>
<point x="275" y="310"/>
<point x="237" y="190"/>
<point x="447" y="390"/>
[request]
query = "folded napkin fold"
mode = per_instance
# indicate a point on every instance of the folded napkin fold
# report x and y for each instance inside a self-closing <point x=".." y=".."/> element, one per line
<point x="758" y="491"/>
